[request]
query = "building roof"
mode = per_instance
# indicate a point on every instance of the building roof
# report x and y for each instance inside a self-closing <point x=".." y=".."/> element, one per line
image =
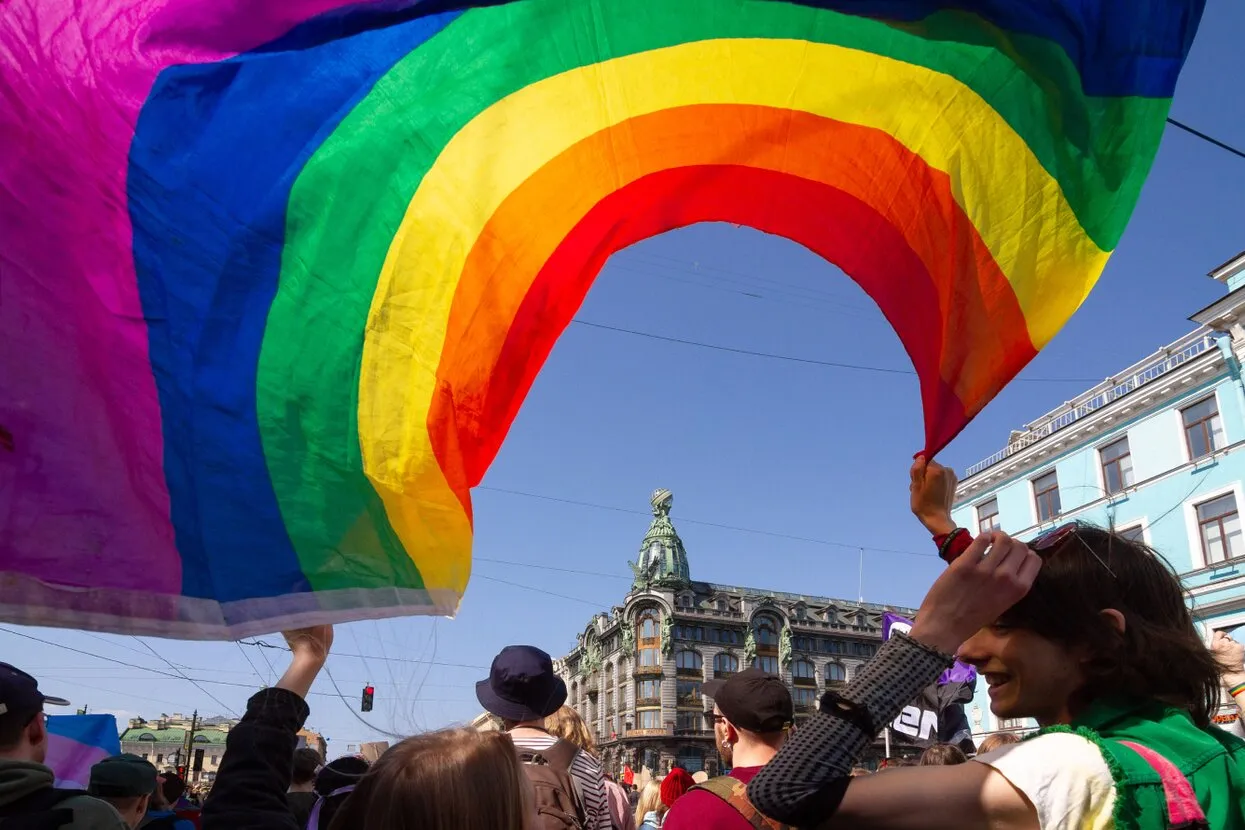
<point x="1173" y="356"/>
<point x="662" y="559"/>
<point x="206" y="736"/>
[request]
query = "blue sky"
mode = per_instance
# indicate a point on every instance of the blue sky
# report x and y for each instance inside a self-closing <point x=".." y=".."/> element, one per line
<point x="781" y="447"/>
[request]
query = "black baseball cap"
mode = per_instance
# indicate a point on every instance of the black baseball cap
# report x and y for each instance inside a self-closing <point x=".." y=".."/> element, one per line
<point x="20" y="695"/>
<point x="753" y="700"/>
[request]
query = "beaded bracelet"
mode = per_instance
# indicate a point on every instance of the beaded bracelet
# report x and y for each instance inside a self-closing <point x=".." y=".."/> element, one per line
<point x="1239" y="688"/>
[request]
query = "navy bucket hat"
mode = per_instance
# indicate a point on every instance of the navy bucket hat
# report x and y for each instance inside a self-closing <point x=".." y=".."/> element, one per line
<point x="521" y="685"/>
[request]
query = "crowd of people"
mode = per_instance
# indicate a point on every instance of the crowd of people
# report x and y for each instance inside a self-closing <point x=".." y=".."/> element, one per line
<point x="1082" y="629"/>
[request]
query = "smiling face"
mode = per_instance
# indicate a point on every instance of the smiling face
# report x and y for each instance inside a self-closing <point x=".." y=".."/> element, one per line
<point x="1029" y="676"/>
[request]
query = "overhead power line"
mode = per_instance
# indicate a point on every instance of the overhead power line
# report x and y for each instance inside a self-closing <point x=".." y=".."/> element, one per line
<point x="189" y="679"/>
<point x="853" y="546"/>
<point x="792" y="359"/>
<point x="1198" y="133"/>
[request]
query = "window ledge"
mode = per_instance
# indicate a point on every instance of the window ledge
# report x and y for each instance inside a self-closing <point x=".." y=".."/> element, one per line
<point x="1206" y="462"/>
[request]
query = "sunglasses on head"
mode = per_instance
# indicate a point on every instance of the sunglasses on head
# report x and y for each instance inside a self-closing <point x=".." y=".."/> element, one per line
<point x="1051" y="539"/>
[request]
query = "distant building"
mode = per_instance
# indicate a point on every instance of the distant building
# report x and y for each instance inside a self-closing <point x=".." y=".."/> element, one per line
<point x="163" y="742"/>
<point x="636" y="673"/>
<point x="1154" y="451"/>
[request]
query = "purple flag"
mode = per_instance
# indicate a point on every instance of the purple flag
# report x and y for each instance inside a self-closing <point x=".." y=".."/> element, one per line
<point x="959" y="673"/>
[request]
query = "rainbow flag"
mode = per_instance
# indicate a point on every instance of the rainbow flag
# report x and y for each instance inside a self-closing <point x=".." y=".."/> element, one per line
<point x="278" y="275"/>
<point x="78" y="742"/>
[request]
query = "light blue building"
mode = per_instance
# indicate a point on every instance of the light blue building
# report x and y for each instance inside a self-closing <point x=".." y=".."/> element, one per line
<point x="1157" y="451"/>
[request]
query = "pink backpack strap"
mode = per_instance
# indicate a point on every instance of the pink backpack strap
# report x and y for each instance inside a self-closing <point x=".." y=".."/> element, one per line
<point x="1183" y="811"/>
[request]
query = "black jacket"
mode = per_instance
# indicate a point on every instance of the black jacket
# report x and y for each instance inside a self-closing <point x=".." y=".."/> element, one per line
<point x="250" y="787"/>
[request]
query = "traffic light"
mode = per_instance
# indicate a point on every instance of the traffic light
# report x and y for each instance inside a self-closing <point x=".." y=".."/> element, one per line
<point x="368" y="693"/>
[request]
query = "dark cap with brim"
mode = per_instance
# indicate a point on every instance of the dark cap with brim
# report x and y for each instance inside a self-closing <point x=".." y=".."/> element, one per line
<point x="521" y="685"/>
<point x="753" y="700"/>
<point x="122" y="776"/>
<point x="20" y="695"/>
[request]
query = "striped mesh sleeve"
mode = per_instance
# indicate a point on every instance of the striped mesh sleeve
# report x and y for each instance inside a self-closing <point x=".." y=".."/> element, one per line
<point x="804" y="783"/>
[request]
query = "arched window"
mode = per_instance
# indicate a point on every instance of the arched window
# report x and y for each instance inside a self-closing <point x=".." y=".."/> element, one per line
<point x="648" y="645"/>
<point x="688" y="660"/>
<point x="722" y="606"/>
<point x="802" y="670"/>
<point x="685" y="601"/>
<point x="201" y="739"/>
<point x="801" y="613"/>
<point x="649" y="624"/>
<point x="765" y="630"/>
<point x="725" y="664"/>
<point x="146" y="736"/>
<point x="767" y="663"/>
<point x="835" y="673"/>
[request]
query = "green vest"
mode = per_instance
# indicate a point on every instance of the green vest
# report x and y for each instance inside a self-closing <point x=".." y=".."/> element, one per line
<point x="1211" y="759"/>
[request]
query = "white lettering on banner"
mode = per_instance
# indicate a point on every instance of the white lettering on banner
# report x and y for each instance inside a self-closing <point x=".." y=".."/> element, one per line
<point x="901" y="627"/>
<point x="916" y="723"/>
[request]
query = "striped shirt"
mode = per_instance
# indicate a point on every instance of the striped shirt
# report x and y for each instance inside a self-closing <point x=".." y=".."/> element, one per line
<point x="584" y="769"/>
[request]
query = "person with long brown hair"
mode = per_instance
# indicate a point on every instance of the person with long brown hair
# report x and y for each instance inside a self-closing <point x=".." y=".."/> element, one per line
<point x="1082" y="629"/>
<point x="455" y="779"/>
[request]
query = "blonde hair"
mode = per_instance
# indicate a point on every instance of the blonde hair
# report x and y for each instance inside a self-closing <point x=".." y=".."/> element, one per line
<point x="454" y="779"/>
<point x="650" y="802"/>
<point x="569" y="726"/>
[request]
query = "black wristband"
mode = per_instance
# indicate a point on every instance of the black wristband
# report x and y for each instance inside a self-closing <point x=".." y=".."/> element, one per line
<point x="946" y="542"/>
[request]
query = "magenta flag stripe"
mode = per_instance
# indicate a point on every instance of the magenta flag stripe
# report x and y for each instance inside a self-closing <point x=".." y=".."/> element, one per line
<point x="86" y="409"/>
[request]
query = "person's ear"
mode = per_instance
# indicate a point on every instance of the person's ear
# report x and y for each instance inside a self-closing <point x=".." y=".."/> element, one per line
<point x="732" y="734"/>
<point x="37" y="730"/>
<point x="1115" y="619"/>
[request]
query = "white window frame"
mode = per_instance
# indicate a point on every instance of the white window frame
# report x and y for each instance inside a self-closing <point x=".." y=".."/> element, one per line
<point x="1143" y="522"/>
<point x="1196" y="554"/>
<point x="998" y="513"/>
<point x="1184" y="438"/>
<point x="1102" y="474"/>
<point x="1033" y="496"/>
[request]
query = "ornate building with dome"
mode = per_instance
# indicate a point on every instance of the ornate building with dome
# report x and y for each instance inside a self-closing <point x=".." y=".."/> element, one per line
<point x="635" y="674"/>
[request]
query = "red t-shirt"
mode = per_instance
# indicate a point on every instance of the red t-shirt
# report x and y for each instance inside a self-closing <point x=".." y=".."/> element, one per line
<point x="700" y="810"/>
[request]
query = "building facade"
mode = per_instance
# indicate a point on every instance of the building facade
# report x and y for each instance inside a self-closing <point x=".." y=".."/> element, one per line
<point x="636" y="673"/>
<point x="1156" y="451"/>
<point x="163" y="742"/>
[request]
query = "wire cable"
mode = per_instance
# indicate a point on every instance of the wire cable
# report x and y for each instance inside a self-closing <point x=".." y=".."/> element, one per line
<point x="247" y="657"/>
<point x="792" y="359"/>
<point x="190" y="680"/>
<point x="548" y="568"/>
<point x="597" y="605"/>
<point x="853" y="546"/>
<point x="1198" y="133"/>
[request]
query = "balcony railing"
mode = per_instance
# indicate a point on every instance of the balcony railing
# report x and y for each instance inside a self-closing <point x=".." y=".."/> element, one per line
<point x="1134" y="377"/>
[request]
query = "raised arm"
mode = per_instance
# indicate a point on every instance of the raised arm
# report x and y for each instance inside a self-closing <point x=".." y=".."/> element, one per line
<point x="809" y="782"/>
<point x="250" y="789"/>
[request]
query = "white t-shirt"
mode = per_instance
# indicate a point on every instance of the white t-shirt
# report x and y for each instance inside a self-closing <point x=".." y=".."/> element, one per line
<point x="1064" y="777"/>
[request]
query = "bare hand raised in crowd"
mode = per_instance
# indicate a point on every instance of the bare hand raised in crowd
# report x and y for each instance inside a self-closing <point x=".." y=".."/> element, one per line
<point x="312" y="642"/>
<point x="310" y="649"/>
<point x="931" y="493"/>
<point x="987" y="579"/>
<point x="1231" y="655"/>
